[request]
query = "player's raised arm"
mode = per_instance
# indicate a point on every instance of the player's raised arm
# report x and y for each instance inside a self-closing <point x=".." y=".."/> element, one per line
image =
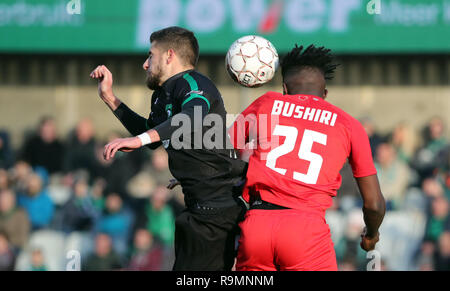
<point x="132" y="121"/>
<point x="105" y="82"/>
<point x="373" y="209"/>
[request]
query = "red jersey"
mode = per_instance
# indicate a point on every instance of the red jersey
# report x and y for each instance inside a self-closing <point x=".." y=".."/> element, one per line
<point x="300" y="143"/>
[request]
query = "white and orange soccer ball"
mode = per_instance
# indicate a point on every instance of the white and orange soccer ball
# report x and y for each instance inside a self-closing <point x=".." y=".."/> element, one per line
<point x="252" y="61"/>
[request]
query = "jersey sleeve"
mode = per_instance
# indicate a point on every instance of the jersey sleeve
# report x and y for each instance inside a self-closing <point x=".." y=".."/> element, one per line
<point x="360" y="157"/>
<point x="133" y="122"/>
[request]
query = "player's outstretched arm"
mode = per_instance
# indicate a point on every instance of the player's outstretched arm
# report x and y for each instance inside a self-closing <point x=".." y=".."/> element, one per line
<point x="132" y="121"/>
<point x="129" y="144"/>
<point x="374" y="208"/>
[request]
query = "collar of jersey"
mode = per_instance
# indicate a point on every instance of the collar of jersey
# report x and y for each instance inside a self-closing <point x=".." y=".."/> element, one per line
<point x="169" y="83"/>
<point x="310" y="97"/>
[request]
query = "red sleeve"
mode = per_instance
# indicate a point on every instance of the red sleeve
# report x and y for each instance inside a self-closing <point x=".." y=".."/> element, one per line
<point x="361" y="155"/>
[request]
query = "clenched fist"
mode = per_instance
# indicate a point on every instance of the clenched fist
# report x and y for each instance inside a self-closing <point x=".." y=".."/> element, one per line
<point x="368" y="243"/>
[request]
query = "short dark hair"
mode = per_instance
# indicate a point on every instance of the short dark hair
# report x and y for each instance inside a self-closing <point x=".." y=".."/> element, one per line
<point x="181" y="40"/>
<point x="310" y="58"/>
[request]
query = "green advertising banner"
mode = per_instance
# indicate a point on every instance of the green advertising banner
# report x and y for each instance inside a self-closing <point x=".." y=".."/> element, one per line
<point x="124" y="26"/>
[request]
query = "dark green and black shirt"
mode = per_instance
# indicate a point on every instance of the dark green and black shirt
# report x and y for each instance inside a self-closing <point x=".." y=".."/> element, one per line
<point x="207" y="176"/>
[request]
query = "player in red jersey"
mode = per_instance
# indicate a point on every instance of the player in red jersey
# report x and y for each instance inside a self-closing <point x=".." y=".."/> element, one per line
<point x="300" y="144"/>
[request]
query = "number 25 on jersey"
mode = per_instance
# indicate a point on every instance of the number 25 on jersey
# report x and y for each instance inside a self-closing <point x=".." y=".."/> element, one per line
<point x="307" y="141"/>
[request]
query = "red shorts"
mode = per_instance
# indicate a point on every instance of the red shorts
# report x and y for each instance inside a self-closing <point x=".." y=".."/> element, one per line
<point x="287" y="240"/>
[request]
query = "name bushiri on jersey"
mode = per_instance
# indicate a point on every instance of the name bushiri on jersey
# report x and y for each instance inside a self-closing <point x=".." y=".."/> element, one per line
<point x="288" y="109"/>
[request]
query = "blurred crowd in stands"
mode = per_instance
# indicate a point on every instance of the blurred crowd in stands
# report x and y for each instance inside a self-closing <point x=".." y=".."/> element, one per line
<point x="52" y="188"/>
<point x="59" y="194"/>
<point x="414" y="174"/>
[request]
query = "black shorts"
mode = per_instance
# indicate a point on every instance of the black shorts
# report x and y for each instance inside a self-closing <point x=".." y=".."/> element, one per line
<point x="205" y="240"/>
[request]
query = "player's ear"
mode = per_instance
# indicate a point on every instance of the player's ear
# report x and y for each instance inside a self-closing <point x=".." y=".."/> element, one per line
<point x="285" y="91"/>
<point x="325" y="93"/>
<point x="170" y="55"/>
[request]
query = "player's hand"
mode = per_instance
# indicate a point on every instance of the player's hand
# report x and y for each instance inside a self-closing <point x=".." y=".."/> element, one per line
<point x="368" y="243"/>
<point x="173" y="183"/>
<point x="105" y="82"/>
<point x="121" y="144"/>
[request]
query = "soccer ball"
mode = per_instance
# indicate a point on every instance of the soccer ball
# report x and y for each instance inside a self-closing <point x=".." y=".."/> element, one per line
<point x="252" y="61"/>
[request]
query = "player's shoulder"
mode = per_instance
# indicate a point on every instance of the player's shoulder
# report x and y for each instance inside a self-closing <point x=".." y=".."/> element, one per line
<point x="268" y="97"/>
<point x="271" y="95"/>
<point x="190" y="79"/>
<point x="195" y="82"/>
<point x="197" y="79"/>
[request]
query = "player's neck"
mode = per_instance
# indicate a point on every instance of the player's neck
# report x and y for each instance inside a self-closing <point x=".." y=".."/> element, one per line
<point x="305" y="90"/>
<point x="311" y="93"/>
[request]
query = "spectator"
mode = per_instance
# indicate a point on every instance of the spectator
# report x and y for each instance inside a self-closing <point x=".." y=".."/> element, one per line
<point x="104" y="258"/>
<point x="347" y="265"/>
<point x="7" y="257"/>
<point x="98" y="189"/>
<point x="374" y="138"/>
<point x="436" y="140"/>
<point x="13" y="221"/>
<point x="147" y="255"/>
<point x="160" y="171"/>
<point x="44" y="149"/>
<point x="428" y="156"/>
<point x="443" y="254"/>
<point x="157" y="173"/>
<point x="79" y="213"/>
<point x="116" y="222"/>
<point x="404" y="141"/>
<point x="425" y="259"/>
<point x="6" y="153"/>
<point x="19" y="178"/>
<point x="38" y="261"/>
<point x="445" y="161"/>
<point x="348" y="249"/>
<point x="393" y="174"/>
<point x="438" y="218"/>
<point x="160" y="166"/>
<point x="432" y="188"/>
<point x="81" y="149"/>
<point x="160" y="218"/>
<point x="37" y="203"/>
<point x="446" y="183"/>
<point x="117" y="171"/>
<point x="4" y="180"/>
<point x="348" y="193"/>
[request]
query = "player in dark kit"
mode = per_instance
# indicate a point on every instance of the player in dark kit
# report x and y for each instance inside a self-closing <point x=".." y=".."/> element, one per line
<point x="293" y="172"/>
<point x="205" y="231"/>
